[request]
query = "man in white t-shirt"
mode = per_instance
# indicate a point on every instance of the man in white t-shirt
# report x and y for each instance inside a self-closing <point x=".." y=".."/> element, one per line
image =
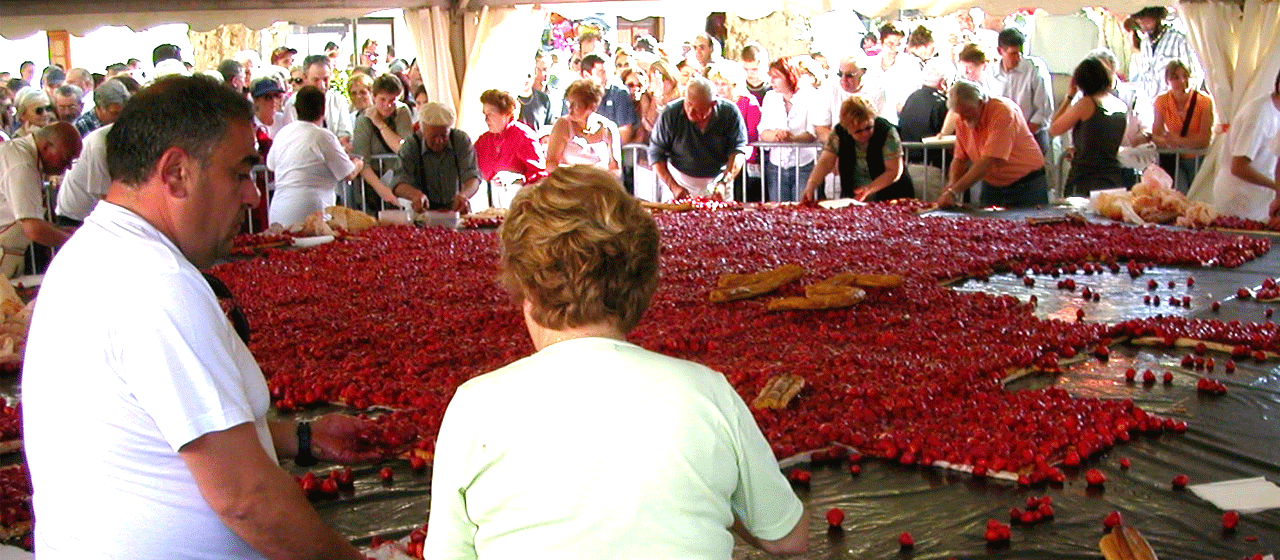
<point x="308" y="161"/>
<point x="316" y="71"/>
<point x="86" y="182"/>
<point x="144" y="414"/>
<point x="1247" y="183"/>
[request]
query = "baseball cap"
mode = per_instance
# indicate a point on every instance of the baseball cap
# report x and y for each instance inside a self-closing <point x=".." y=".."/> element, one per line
<point x="266" y="86"/>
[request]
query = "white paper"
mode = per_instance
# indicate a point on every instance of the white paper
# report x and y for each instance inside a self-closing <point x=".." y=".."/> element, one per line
<point x="1245" y="495"/>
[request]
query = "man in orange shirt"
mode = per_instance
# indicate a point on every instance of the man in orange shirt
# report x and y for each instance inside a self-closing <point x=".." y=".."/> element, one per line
<point x="994" y="145"/>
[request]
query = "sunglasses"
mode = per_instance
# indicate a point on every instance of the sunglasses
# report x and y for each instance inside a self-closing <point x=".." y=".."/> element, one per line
<point x="43" y="110"/>
<point x="853" y="74"/>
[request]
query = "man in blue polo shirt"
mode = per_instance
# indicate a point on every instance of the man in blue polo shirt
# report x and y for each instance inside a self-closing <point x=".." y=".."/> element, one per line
<point x="699" y="143"/>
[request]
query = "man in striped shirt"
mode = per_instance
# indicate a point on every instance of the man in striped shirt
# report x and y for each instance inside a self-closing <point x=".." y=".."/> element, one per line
<point x="1159" y="43"/>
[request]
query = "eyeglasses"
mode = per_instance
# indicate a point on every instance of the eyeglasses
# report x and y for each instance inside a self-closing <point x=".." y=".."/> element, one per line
<point x="854" y="74"/>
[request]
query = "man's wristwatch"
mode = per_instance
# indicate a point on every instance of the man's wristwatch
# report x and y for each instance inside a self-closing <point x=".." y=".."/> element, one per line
<point x="304" y="458"/>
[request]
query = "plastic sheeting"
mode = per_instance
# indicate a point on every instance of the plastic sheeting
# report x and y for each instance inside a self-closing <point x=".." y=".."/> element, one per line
<point x="1229" y="437"/>
<point x="1232" y="436"/>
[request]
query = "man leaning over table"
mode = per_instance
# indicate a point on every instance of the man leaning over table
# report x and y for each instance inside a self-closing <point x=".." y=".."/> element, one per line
<point x="144" y="414"/>
<point x="24" y="163"/>
<point x="993" y="145"/>
<point x="699" y="143"/>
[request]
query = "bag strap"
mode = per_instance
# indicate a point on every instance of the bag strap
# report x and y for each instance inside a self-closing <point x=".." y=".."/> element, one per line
<point x="1186" y="119"/>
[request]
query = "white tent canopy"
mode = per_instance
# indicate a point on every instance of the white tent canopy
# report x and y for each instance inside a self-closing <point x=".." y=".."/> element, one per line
<point x="20" y="18"/>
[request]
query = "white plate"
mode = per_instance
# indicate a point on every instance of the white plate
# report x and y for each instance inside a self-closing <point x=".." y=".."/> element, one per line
<point x="311" y="241"/>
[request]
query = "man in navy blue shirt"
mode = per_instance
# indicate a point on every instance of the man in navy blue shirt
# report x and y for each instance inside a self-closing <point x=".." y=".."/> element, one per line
<point x="699" y="143"/>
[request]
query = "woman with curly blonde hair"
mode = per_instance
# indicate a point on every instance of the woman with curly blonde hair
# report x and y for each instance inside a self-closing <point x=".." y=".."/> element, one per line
<point x="668" y="461"/>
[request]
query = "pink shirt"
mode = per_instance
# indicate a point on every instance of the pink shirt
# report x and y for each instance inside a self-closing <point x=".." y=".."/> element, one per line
<point x="750" y="109"/>
<point x="1002" y="134"/>
<point x="515" y="149"/>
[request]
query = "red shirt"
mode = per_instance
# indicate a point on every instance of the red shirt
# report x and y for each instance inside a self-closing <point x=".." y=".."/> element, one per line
<point x="515" y="149"/>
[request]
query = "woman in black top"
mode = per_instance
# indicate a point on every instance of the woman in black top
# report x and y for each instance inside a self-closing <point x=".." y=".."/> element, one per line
<point x="868" y="151"/>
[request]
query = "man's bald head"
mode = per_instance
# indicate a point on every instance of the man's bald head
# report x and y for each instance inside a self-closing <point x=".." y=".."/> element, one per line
<point x="58" y="144"/>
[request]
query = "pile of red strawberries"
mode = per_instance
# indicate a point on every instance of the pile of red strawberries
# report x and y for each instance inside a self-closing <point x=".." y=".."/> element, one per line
<point x="399" y="319"/>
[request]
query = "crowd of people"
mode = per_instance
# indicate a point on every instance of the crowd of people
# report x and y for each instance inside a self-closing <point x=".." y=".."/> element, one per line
<point x="175" y="407"/>
<point x="742" y="124"/>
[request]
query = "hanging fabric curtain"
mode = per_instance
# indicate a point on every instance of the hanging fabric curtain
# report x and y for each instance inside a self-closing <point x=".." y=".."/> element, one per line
<point x="1237" y="47"/>
<point x="499" y="56"/>
<point x="429" y="29"/>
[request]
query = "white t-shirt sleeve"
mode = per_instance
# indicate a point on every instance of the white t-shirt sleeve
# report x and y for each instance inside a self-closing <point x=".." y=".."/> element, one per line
<point x="823" y="107"/>
<point x="1275" y="145"/>
<point x="452" y="533"/>
<point x="335" y="157"/>
<point x="180" y="368"/>
<point x="1251" y="137"/>
<point x="23" y="186"/>
<point x="764" y="500"/>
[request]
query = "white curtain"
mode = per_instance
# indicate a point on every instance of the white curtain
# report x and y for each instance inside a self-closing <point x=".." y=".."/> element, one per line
<point x="429" y="30"/>
<point x="500" y="54"/>
<point x="1241" y="56"/>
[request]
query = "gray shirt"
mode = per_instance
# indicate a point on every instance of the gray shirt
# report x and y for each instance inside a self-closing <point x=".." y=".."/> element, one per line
<point x="366" y="140"/>
<point x="698" y="153"/>
<point x="437" y="175"/>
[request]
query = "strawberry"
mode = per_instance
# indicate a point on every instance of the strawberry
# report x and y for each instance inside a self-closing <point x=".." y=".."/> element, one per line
<point x="386" y="475"/>
<point x="1215" y="306"/>
<point x="1095" y="477"/>
<point x="1152" y="284"/>
<point x="835" y="516"/>
<point x="1125" y="463"/>
<point x="1229" y="366"/>
<point x="1112" y="520"/>
<point x="1243" y="293"/>
<point x="1148" y="377"/>
<point x="855" y="469"/>
<point x="905" y="540"/>
<point x="329" y="486"/>
<point x="418" y="464"/>
<point x="1180" y="482"/>
<point x="1230" y="519"/>
<point x="1191" y="281"/>
<point x="1130" y="374"/>
<point x="1168" y="377"/>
